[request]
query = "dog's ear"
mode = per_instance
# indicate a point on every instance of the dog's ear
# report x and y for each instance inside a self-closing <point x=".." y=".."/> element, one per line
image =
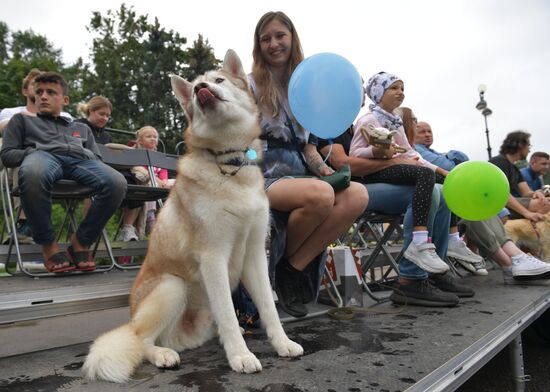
<point x="182" y="88"/>
<point x="232" y="64"/>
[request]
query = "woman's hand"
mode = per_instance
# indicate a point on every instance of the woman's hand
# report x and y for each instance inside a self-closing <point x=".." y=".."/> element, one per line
<point x="534" y="216"/>
<point x="405" y="161"/>
<point x="326" y="170"/>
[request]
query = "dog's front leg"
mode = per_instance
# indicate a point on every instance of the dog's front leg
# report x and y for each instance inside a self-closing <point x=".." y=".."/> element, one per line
<point x="215" y="277"/>
<point x="255" y="279"/>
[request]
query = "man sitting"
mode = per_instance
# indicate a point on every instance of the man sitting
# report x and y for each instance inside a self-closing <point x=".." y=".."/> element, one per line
<point x="537" y="169"/>
<point x="48" y="148"/>
<point x="423" y="140"/>
<point x="531" y="204"/>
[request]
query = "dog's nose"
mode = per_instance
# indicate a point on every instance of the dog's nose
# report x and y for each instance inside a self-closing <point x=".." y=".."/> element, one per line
<point x="199" y="86"/>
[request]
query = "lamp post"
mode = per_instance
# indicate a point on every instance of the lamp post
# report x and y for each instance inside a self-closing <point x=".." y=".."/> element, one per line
<point x="485" y="111"/>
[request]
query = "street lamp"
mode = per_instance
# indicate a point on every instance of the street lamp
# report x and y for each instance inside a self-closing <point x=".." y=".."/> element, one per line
<point x="485" y="111"/>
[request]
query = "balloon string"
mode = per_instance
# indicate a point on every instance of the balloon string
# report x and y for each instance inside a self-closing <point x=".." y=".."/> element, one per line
<point x="329" y="150"/>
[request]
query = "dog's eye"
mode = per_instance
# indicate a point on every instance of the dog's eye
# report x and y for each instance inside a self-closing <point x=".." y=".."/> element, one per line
<point x="219" y="80"/>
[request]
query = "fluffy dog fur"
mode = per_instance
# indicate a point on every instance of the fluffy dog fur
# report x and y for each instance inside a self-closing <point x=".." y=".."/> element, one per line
<point x="210" y="234"/>
<point x="524" y="235"/>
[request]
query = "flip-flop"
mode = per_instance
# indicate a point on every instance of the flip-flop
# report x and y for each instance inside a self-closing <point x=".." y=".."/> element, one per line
<point x="80" y="258"/>
<point x="56" y="260"/>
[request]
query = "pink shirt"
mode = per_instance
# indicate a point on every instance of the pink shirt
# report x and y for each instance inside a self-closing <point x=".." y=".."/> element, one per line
<point x="361" y="148"/>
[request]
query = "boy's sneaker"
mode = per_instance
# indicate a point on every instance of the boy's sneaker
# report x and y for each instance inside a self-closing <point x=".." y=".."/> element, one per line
<point x="422" y="293"/>
<point x="529" y="268"/>
<point x="128" y="233"/>
<point x="448" y="283"/>
<point x="466" y="258"/>
<point x="424" y="256"/>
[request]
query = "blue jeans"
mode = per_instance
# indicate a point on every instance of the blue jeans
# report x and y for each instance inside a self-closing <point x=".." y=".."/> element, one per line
<point x="37" y="175"/>
<point x="397" y="199"/>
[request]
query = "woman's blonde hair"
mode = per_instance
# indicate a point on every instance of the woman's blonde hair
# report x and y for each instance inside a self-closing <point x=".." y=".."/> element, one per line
<point x="140" y="132"/>
<point x="94" y="104"/>
<point x="270" y="94"/>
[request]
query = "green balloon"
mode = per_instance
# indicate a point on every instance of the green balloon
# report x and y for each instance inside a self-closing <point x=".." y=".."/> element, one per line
<point x="476" y="190"/>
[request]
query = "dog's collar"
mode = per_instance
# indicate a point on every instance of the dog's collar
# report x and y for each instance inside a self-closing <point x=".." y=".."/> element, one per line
<point x="535" y="230"/>
<point x="248" y="156"/>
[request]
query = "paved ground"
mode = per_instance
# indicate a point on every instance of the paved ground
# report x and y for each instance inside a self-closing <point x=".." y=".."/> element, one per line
<point x="372" y="352"/>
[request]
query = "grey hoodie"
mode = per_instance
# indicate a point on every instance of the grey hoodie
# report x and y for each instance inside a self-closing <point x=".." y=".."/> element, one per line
<point x="56" y="135"/>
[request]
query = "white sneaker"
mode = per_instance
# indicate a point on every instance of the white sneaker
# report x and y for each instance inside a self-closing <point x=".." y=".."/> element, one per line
<point x="529" y="267"/>
<point x="466" y="258"/>
<point x="509" y="279"/>
<point x="424" y="256"/>
<point x="128" y="233"/>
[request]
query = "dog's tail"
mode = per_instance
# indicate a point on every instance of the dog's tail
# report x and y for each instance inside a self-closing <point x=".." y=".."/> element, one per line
<point x="114" y="355"/>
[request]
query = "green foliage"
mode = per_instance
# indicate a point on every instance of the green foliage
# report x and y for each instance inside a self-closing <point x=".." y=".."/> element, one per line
<point x="20" y="51"/>
<point x="133" y="60"/>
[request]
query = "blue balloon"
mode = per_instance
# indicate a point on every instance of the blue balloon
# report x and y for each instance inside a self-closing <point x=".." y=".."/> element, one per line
<point x="325" y="93"/>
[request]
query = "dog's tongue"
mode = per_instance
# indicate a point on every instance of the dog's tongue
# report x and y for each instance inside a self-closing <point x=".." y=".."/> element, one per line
<point x="205" y="96"/>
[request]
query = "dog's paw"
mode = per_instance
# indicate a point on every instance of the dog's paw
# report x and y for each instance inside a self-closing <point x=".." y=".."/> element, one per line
<point x="288" y="348"/>
<point x="247" y="363"/>
<point x="166" y="358"/>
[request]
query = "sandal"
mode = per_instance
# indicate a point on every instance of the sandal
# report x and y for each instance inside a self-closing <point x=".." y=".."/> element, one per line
<point x="55" y="263"/>
<point x="81" y="260"/>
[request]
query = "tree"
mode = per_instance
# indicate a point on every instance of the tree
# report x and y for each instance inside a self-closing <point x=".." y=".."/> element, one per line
<point x="21" y="51"/>
<point x="133" y="60"/>
<point x="201" y="59"/>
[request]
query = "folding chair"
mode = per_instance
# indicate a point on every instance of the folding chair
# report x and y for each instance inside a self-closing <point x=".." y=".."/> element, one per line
<point x="162" y="161"/>
<point x="370" y="225"/>
<point x="125" y="159"/>
<point x="66" y="190"/>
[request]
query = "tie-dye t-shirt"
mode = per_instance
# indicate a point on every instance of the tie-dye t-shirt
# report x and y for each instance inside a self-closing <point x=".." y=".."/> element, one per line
<point x="280" y="158"/>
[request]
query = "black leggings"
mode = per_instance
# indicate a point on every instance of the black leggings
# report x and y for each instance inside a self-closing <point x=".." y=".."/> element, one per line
<point x="440" y="178"/>
<point x="423" y="178"/>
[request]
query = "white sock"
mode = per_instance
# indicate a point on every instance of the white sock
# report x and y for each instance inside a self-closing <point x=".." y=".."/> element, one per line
<point x="507" y="270"/>
<point x="420" y="237"/>
<point x="454" y="237"/>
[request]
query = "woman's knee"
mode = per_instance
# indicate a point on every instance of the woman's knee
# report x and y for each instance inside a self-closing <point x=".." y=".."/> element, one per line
<point x="355" y="198"/>
<point x="319" y="195"/>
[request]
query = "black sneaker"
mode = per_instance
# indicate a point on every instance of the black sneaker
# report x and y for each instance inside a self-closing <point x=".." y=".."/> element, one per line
<point x="289" y="288"/>
<point x="450" y="284"/>
<point x="24" y="233"/>
<point x="422" y="293"/>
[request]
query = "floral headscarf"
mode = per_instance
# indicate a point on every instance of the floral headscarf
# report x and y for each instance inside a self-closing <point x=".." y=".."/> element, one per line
<point x="378" y="84"/>
<point x="375" y="89"/>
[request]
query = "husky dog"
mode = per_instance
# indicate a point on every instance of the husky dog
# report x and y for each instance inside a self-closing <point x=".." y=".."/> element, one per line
<point x="209" y="235"/>
<point x="533" y="237"/>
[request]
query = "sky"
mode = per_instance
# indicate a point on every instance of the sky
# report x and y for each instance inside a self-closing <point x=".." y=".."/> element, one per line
<point x="443" y="50"/>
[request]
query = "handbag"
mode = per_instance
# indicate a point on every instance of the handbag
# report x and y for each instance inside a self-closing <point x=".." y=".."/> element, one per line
<point x="339" y="180"/>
